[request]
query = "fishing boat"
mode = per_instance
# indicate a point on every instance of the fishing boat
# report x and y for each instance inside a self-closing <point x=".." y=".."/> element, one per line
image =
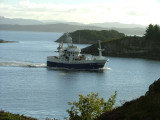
<point x="70" y="57"/>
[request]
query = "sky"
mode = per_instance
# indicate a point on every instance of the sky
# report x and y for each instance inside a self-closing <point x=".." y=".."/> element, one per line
<point x="142" y="12"/>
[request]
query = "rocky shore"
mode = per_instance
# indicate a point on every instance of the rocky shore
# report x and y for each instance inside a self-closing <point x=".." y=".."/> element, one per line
<point x="144" y="108"/>
<point x="136" y="47"/>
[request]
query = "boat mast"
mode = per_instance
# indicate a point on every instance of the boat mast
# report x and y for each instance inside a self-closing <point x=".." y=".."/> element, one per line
<point x="79" y="37"/>
<point x="100" y="50"/>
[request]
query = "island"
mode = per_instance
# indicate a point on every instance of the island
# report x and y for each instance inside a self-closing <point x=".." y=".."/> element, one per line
<point x="147" y="46"/>
<point x="5" y="41"/>
<point x="91" y="36"/>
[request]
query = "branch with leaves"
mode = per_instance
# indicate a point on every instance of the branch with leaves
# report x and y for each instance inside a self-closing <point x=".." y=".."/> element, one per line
<point x="90" y="106"/>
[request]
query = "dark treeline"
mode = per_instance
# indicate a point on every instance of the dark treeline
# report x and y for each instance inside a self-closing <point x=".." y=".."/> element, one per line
<point x="153" y="33"/>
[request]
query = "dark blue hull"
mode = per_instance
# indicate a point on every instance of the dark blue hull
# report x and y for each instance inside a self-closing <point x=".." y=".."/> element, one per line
<point x="82" y="66"/>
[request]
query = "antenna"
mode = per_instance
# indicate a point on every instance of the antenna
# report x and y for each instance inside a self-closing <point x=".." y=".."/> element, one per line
<point x="100" y="50"/>
<point x="79" y="37"/>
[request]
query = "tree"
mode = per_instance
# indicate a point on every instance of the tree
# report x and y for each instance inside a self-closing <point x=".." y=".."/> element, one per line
<point x="90" y="107"/>
<point x="153" y="33"/>
<point x="156" y="33"/>
<point x="149" y="31"/>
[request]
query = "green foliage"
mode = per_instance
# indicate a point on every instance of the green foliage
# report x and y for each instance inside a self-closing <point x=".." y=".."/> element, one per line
<point x="92" y="36"/>
<point x="153" y="33"/>
<point x="90" y="107"/>
<point x="10" y="116"/>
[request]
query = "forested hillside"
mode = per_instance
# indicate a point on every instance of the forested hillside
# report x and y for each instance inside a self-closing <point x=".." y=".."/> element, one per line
<point x="92" y="36"/>
<point x="147" y="46"/>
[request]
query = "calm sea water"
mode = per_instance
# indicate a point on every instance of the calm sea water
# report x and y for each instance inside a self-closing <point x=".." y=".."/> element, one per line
<point x="27" y="87"/>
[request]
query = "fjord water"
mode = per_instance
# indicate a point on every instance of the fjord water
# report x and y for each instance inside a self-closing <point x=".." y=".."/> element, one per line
<point x="28" y="87"/>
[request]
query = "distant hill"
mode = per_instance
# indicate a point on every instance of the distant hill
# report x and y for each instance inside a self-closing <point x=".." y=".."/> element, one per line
<point x="19" y="21"/>
<point x="117" y="25"/>
<point x="18" y="24"/>
<point x="62" y="22"/>
<point x="60" y="27"/>
<point x="91" y="36"/>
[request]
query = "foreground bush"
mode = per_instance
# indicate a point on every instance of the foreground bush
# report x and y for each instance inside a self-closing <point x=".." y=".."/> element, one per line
<point x="90" y="106"/>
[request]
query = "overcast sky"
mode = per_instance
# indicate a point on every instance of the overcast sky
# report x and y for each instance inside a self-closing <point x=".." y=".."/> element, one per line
<point x="84" y="11"/>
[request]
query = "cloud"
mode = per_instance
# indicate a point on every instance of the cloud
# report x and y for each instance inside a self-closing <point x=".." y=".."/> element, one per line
<point x="125" y="11"/>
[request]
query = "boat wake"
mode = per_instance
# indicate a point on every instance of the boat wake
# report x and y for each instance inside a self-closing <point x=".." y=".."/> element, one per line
<point x="106" y="68"/>
<point x="22" y="64"/>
